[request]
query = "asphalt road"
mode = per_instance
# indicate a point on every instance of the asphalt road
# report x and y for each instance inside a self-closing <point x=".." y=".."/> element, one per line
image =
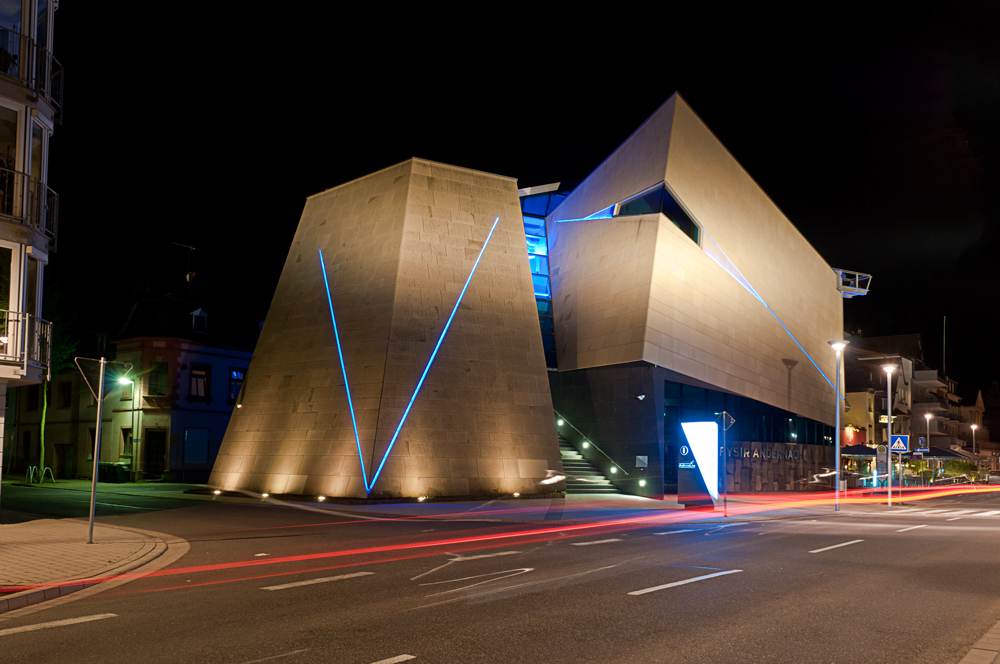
<point x="917" y="584"/>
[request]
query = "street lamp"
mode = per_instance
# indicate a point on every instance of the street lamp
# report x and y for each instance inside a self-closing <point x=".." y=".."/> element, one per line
<point x="888" y="369"/>
<point x="974" y="427"/>
<point x="837" y="346"/>
<point x="928" y="417"/>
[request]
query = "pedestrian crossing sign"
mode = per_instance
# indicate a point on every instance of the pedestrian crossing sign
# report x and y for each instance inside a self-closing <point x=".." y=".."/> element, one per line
<point x="899" y="443"/>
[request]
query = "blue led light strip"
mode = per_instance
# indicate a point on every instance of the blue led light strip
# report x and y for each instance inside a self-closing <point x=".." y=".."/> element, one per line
<point x="340" y="353"/>
<point x="433" y="355"/>
<point x="736" y="274"/>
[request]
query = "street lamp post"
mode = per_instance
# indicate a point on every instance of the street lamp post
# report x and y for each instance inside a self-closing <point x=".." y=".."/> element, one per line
<point x="974" y="427"/>
<point x="928" y="417"/>
<point x="889" y="368"/>
<point x="837" y="346"/>
<point x="132" y="450"/>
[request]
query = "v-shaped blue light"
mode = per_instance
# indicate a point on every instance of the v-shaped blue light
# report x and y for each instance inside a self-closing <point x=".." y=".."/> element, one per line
<point x="416" y="390"/>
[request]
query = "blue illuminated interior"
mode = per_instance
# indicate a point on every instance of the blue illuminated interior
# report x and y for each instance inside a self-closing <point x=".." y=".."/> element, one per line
<point x="343" y="369"/>
<point x="427" y="368"/>
<point x="534" y="208"/>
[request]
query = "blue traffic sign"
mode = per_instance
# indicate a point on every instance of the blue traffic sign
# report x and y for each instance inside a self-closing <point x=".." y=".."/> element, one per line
<point x="899" y="443"/>
<point x="922" y="445"/>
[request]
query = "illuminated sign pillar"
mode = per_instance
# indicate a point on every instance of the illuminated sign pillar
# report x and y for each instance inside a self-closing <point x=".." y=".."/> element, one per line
<point x="698" y="466"/>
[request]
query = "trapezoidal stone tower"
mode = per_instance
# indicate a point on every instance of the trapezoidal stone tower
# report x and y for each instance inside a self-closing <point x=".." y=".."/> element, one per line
<point x="413" y="283"/>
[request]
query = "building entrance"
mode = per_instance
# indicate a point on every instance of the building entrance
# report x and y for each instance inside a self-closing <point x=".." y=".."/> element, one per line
<point x="154" y="458"/>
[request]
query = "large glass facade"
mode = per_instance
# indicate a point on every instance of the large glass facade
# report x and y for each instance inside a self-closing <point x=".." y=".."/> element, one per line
<point x="755" y="421"/>
<point x="534" y="208"/>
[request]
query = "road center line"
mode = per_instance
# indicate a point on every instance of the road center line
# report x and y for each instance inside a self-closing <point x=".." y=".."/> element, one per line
<point x="990" y="513"/>
<point x="273" y="657"/>
<point x="394" y="660"/>
<point x="606" y="541"/>
<point x="57" y="623"/>
<point x="954" y="518"/>
<point x="903" y="530"/>
<point x="685" y="581"/>
<point x="835" y="546"/>
<point x="675" y="532"/>
<point x="935" y="511"/>
<point x="324" y="579"/>
<point x="484" y="555"/>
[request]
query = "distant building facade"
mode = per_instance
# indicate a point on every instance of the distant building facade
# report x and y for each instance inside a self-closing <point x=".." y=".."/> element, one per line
<point x="168" y="422"/>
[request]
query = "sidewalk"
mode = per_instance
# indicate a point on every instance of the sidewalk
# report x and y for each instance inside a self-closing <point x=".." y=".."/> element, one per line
<point x="36" y="555"/>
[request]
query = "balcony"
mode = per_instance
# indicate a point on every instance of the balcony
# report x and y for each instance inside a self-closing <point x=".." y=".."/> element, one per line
<point x="24" y="339"/>
<point x="26" y="200"/>
<point x="33" y="66"/>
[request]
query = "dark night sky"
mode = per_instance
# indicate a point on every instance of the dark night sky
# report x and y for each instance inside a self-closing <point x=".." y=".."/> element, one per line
<point x="877" y="135"/>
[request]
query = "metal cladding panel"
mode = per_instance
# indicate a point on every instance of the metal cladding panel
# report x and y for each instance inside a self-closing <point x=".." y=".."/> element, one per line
<point x="749" y="309"/>
<point x="399" y="245"/>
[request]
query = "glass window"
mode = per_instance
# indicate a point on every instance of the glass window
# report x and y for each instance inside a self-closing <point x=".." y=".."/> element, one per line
<point x="5" y="258"/>
<point x="536" y="204"/>
<point x="537" y="245"/>
<point x="555" y="200"/>
<point x="539" y="264"/>
<point x="235" y="383"/>
<point x="544" y="307"/>
<point x="534" y="226"/>
<point x="546" y="324"/>
<point x="648" y="203"/>
<point x="126" y="441"/>
<point x="548" y="342"/>
<point x="541" y="285"/>
<point x="31" y="288"/>
<point x="195" y="446"/>
<point x="9" y="182"/>
<point x="10" y="19"/>
<point x="157" y="384"/>
<point x="675" y="213"/>
<point x="37" y="152"/>
<point x="199" y="385"/>
<point x="42" y="25"/>
<point x="65" y="396"/>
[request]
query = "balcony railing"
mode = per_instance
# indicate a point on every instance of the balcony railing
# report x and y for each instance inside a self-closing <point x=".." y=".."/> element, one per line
<point x="24" y="339"/>
<point x="26" y="200"/>
<point x="22" y="59"/>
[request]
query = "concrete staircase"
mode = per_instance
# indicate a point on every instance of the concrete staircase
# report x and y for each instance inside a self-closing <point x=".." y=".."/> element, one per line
<point x="581" y="476"/>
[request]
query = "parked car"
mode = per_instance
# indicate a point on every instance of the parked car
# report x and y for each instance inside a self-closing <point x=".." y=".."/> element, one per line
<point x="994" y="478"/>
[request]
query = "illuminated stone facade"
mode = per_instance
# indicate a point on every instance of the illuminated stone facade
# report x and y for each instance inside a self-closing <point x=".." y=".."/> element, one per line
<point x="398" y="246"/>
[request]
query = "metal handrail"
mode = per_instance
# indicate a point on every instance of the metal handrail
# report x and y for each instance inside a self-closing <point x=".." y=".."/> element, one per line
<point x="589" y="440"/>
<point x="25" y="339"/>
<point x="24" y="60"/>
<point x="29" y="201"/>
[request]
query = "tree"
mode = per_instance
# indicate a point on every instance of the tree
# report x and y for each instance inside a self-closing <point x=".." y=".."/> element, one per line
<point x="60" y="357"/>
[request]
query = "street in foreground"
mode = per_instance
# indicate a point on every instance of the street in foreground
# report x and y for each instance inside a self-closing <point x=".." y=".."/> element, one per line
<point x="266" y="582"/>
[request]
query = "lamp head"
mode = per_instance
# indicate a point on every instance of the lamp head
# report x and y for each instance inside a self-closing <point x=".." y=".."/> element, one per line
<point x="888" y="368"/>
<point x="839" y="345"/>
<point x="928" y="416"/>
<point x="975" y="426"/>
<point x="123" y="381"/>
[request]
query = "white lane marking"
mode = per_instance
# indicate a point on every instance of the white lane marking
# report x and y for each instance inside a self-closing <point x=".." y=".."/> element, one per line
<point x="323" y="579"/>
<point x="484" y="555"/>
<point x="956" y="513"/>
<point x="607" y="541"/>
<point x="681" y="583"/>
<point x="934" y="511"/>
<point x="835" y="546"/>
<point x="284" y="654"/>
<point x="903" y="530"/>
<point x="396" y="659"/>
<point x="57" y="623"/>
<point x="675" y="532"/>
<point x="990" y="513"/>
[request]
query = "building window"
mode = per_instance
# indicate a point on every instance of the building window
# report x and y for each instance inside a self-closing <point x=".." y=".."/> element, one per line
<point x="235" y="384"/>
<point x="64" y="397"/>
<point x="157" y="382"/>
<point x="32" y="396"/>
<point x="200" y="383"/>
<point x="659" y="200"/>
<point x="195" y="446"/>
<point x="126" y="441"/>
<point x="199" y="321"/>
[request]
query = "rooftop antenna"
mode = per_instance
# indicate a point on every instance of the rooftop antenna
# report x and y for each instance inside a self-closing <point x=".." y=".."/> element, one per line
<point x="189" y="276"/>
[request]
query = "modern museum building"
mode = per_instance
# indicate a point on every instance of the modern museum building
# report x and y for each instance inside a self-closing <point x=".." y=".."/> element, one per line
<point x="438" y="331"/>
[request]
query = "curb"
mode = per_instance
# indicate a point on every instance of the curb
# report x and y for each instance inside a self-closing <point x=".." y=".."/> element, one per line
<point x="986" y="650"/>
<point x="27" y="598"/>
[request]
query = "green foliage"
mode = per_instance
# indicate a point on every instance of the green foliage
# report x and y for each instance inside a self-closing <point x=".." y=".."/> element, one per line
<point x="957" y="467"/>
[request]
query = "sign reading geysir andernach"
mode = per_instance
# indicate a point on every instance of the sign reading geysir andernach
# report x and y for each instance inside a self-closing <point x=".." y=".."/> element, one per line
<point x="778" y="467"/>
